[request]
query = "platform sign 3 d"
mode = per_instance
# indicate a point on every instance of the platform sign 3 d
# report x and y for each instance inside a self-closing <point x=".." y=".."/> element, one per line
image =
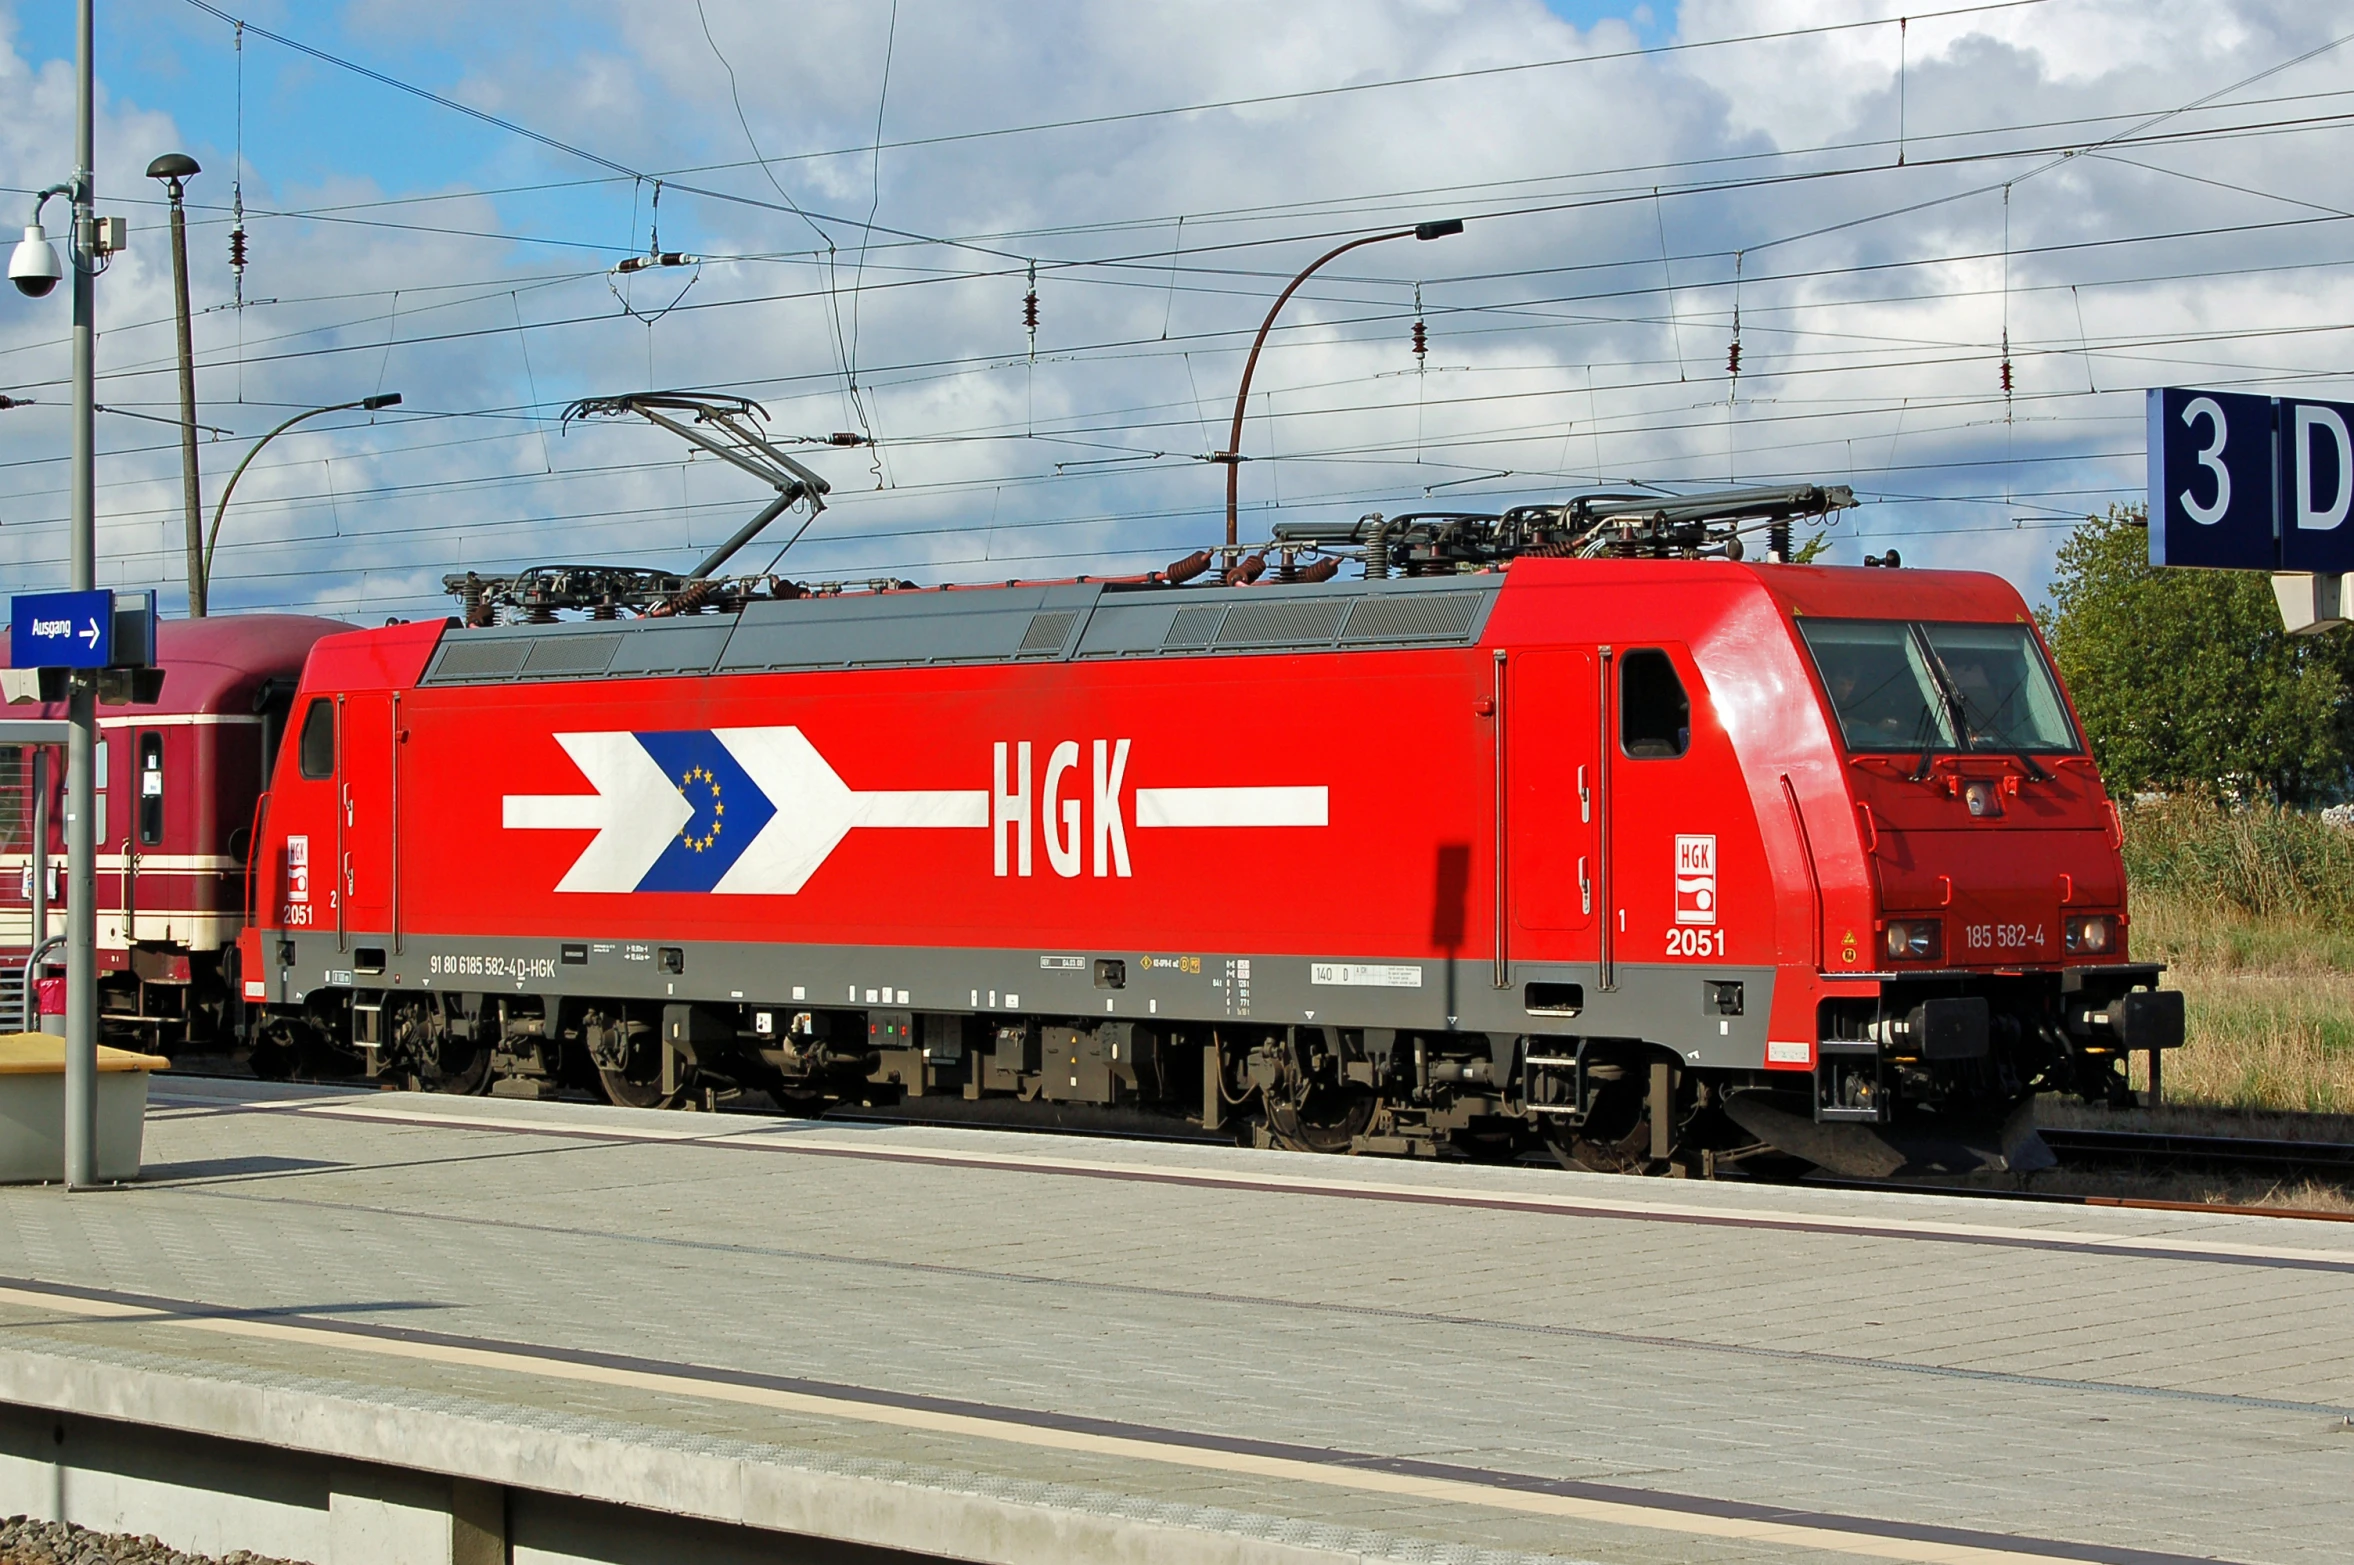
<point x="2316" y="444"/>
<point x="2251" y="483"/>
<point x="2212" y="495"/>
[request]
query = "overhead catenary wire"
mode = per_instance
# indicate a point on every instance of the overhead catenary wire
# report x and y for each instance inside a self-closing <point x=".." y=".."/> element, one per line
<point x="1169" y="282"/>
<point x="1199" y="270"/>
<point x="1679" y="46"/>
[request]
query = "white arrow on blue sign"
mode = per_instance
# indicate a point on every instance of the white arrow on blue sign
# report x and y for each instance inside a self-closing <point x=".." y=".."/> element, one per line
<point x="61" y="629"/>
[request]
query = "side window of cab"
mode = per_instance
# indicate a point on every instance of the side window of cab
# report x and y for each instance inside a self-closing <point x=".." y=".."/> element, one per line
<point x="316" y="748"/>
<point x="1654" y="713"/>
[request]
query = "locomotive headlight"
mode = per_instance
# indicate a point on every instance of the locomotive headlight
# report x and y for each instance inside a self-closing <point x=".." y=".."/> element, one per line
<point x="1915" y="939"/>
<point x="1982" y="799"/>
<point x="2094" y="934"/>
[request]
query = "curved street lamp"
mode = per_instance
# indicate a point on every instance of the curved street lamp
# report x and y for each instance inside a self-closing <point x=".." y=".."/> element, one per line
<point x="1232" y="455"/>
<point x="388" y="399"/>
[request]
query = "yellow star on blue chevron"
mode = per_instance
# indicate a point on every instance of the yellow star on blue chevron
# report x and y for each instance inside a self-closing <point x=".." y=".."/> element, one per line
<point x="689" y="779"/>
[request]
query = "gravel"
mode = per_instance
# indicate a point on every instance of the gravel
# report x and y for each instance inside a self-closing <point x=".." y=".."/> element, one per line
<point x="24" y="1541"/>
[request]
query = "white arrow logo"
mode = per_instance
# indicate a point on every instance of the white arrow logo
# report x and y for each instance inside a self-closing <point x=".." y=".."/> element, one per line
<point x="816" y="809"/>
<point x="91" y="635"/>
<point x="638" y="811"/>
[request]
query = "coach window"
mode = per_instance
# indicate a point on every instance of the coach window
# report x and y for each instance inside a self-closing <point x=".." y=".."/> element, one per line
<point x="1654" y="715"/>
<point x="16" y="799"/>
<point x="150" y="790"/>
<point x="317" y="746"/>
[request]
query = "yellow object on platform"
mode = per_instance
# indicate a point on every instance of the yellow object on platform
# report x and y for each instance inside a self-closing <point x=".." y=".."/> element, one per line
<point x="43" y="1054"/>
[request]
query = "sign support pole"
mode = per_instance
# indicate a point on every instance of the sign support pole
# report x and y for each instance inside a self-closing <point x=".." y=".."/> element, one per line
<point x="81" y="857"/>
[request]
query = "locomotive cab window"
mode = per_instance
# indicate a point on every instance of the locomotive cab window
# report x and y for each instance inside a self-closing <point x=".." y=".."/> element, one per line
<point x="316" y="748"/>
<point x="1905" y="687"/>
<point x="150" y="790"/>
<point x="1654" y="714"/>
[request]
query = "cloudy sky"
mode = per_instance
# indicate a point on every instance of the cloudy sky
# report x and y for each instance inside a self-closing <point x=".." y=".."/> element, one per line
<point x="2130" y="192"/>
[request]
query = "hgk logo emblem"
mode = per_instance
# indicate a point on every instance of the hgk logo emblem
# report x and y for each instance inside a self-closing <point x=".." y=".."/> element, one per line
<point x="298" y="868"/>
<point x="759" y="810"/>
<point x="1695" y="880"/>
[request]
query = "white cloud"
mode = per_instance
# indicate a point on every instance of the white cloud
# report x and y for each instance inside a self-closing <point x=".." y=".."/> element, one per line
<point x="1557" y="354"/>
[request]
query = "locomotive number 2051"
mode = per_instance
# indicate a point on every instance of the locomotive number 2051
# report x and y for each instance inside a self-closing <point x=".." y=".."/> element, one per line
<point x="1685" y="941"/>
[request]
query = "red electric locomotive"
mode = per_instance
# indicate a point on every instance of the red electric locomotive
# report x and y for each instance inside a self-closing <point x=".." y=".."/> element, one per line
<point x="176" y="784"/>
<point x="1650" y="857"/>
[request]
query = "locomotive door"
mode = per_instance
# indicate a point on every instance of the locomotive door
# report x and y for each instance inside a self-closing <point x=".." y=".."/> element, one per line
<point x="1554" y="804"/>
<point x="1662" y="850"/>
<point x="366" y="792"/>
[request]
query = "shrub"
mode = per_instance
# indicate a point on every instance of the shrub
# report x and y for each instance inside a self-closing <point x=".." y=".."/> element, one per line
<point x="2263" y="860"/>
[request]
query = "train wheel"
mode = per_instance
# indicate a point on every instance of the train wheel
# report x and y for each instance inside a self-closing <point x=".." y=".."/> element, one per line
<point x="472" y="1075"/>
<point x="1327" y="1120"/>
<point x="428" y="1049"/>
<point x="636" y="1083"/>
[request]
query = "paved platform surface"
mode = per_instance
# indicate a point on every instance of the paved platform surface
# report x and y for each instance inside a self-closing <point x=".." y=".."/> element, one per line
<point x="1226" y="1354"/>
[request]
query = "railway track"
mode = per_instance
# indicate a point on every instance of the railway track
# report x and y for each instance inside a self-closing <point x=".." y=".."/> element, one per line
<point x="2329" y="1160"/>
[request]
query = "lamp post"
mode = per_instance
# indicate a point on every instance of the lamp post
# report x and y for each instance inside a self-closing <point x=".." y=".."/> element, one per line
<point x="1232" y="455"/>
<point x="174" y="169"/>
<point x="81" y="843"/>
<point x="203" y="576"/>
<point x="34" y="269"/>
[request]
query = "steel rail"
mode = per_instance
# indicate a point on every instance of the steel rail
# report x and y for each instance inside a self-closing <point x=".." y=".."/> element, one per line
<point x="2142" y="1146"/>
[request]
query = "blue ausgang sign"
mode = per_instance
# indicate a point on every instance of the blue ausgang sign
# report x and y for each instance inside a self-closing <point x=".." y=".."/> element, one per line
<point x="2212" y="481"/>
<point x="2316" y="441"/>
<point x="61" y="629"/>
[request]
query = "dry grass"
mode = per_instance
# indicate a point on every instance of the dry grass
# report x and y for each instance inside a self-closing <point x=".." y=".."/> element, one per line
<point x="2270" y="1002"/>
<point x="2251" y="910"/>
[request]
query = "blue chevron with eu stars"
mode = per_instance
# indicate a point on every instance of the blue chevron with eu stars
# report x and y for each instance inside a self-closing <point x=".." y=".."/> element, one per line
<point x="728" y="808"/>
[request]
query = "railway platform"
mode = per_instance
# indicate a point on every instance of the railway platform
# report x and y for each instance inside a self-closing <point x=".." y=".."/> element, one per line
<point x="353" y="1328"/>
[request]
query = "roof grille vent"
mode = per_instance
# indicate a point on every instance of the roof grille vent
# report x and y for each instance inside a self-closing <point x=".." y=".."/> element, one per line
<point x="571" y="654"/>
<point x="466" y="659"/>
<point x="1284" y="623"/>
<point x="1194" y="625"/>
<point x="1422" y="616"/>
<point x="1048" y="631"/>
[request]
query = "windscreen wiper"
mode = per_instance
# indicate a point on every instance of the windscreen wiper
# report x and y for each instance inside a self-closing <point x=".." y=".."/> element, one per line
<point x="1957" y="709"/>
<point x="1926" y="731"/>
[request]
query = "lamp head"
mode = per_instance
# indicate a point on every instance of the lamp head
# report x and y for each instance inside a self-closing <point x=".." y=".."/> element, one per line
<point x="174" y="166"/>
<point x="1444" y="228"/>
<point x="33" y="266"/>
<point x="383" y="399"/>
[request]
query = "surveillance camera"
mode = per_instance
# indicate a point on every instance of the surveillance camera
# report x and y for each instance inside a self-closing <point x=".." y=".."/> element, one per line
<point x="33" y="266"/>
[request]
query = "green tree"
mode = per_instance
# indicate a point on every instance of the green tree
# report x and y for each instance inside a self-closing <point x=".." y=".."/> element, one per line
<point x="2186" y="680"/>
